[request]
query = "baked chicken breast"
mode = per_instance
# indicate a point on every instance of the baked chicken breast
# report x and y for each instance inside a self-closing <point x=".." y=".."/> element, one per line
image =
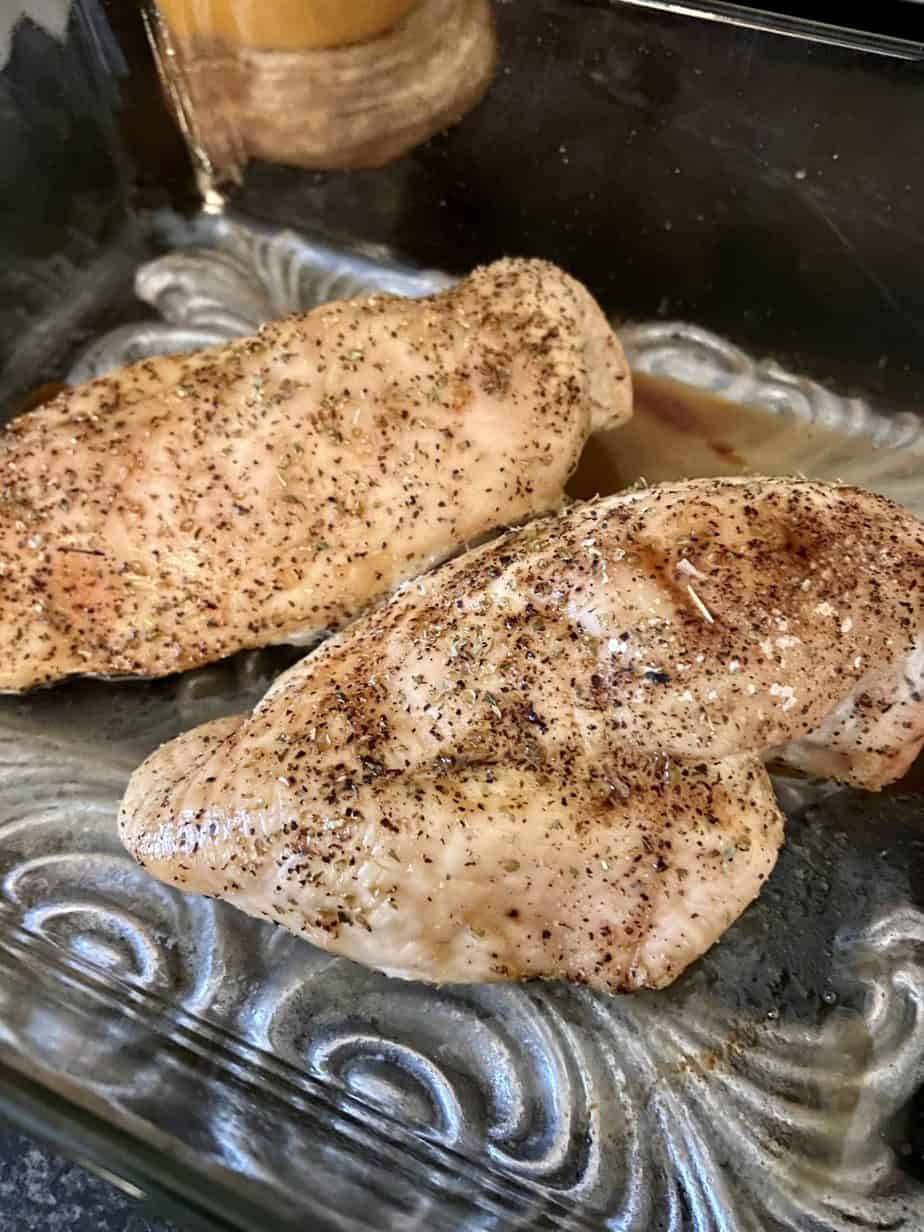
<point x="547" y="757"/>
<point x="267" y="490"/>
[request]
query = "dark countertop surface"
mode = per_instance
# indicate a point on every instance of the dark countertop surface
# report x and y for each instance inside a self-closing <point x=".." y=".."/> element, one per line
<point x="40" y="1192"/>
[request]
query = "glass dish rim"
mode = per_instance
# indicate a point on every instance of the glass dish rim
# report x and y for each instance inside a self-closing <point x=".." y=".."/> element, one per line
<point x="763" y="21"/>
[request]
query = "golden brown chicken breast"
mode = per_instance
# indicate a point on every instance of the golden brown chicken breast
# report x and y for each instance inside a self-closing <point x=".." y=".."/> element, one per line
<point x="546" y="757"/>
<point x="266" y="490"/>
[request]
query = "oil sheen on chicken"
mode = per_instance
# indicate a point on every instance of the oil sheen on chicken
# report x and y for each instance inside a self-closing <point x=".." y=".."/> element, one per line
<point x="266" y="490"/>
<point x="546" y="758"/>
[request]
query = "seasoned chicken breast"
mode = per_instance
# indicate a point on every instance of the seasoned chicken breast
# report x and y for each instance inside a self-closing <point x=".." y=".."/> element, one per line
<point x="270" y="489"/>
<point x="872" y="737"/>
<point x="546" y="758"/>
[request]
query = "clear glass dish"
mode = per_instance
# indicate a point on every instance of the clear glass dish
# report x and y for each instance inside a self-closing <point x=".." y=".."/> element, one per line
<point x="686" y="168"/>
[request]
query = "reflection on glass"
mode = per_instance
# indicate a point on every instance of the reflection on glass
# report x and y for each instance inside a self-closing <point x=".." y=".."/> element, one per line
<point x="316" y="83"/>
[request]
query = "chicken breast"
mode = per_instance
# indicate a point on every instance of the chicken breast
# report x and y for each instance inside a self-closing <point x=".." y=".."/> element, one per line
<point x="874" y="735"/>
<point x="546" y="758"/>
<point x="267" y="490"/>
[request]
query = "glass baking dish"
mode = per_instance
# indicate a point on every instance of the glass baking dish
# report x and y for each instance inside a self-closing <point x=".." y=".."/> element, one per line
<point x="732" y="186"/>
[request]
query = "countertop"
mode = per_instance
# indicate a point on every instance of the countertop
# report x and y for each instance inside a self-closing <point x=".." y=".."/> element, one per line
<point x="40" y="1192"/>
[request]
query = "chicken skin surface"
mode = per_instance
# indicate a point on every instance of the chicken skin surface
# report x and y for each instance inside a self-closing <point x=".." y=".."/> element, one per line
<point x="267" y="490"/>
<point x="546" y="758"/>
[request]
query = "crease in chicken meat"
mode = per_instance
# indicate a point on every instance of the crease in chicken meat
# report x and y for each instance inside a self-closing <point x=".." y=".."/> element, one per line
<point x="546" y="758"/>
<point x="272" y="488"/>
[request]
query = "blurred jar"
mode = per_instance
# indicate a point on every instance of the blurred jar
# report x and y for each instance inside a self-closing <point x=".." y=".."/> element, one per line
<point x="319" y="83"/>
<point x="286" y="25"/>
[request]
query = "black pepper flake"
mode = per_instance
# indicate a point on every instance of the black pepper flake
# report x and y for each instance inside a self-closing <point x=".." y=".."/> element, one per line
<point x="657" y="677"/>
